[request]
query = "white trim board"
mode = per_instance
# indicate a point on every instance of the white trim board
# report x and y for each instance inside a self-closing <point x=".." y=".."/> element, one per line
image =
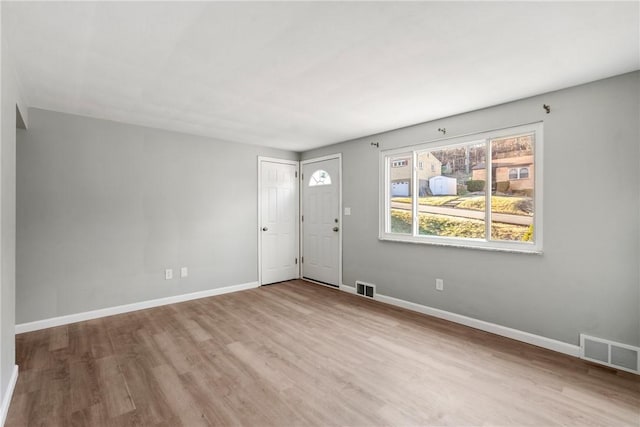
<point x="349" y="289"/>
<point x="516" y="334"/>
<point x="110" y="311"/>
<point x="322" y="158"/>
<point x="8" y="394"/>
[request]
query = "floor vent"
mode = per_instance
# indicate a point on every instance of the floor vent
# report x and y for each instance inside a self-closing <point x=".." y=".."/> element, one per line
<point x="365" y="289"/>
<point x="616" y="355"/>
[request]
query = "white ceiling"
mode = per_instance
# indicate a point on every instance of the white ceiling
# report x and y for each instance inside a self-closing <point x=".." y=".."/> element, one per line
<point x="302" y="75"/>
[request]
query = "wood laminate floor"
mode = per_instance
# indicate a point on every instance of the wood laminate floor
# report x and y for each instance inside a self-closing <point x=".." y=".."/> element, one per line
<point x="301" y="354"/>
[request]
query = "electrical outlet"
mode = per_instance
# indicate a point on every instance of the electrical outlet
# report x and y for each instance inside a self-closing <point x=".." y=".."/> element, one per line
<point x="184" y="272"/>
<point x="168" y="274"/>
<point x="439" y="285"/>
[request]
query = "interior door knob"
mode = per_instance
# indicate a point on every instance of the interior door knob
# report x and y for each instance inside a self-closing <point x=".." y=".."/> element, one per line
<point x="335" y="229"/>
<point x="264" y="229"/>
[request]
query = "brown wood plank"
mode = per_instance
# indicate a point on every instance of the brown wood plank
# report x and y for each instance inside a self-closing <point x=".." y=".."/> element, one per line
<point x="59" y="338"/>
<point x="301" y="354"/>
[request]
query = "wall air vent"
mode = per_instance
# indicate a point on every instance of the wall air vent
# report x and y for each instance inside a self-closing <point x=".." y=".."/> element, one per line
<point x="365" y="289"/>
<point x="609" y="353"/>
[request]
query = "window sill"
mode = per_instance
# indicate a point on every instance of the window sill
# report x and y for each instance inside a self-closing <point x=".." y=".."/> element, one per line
<point x="461" y="245"/>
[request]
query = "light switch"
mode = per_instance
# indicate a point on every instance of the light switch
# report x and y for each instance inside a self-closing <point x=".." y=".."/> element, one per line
<point x="347" y="211"/>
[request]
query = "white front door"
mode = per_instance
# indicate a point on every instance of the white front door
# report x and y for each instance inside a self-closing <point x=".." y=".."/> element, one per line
<point x="278" y="226"/>
<point x="321" y="221"/>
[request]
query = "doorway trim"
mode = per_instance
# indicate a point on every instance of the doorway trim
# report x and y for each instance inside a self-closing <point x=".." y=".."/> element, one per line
<point x="301" y="234"/>
<point x="259" y="219"/>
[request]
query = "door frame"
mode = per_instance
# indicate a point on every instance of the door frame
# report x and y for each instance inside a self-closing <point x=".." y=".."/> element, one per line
<point x="340" y="216"/>
<point x="295" y="163"/>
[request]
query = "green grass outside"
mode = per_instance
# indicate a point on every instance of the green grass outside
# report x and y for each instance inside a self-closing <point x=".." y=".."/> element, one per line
<point x="430" y="201"/>
<point x="443" y="225"/>
<point x="499" y="204"/>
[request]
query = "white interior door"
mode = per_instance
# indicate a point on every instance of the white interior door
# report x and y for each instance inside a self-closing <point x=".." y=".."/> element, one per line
<point x="278" y="226"/>
<point x="321" y="221"/>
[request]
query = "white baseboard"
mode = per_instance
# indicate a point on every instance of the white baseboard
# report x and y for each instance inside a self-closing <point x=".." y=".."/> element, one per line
<point x="8" y="394"/>
<point x="529" y="338"/>
<point x="110" y="311"/>
<point x="350" y="289"/>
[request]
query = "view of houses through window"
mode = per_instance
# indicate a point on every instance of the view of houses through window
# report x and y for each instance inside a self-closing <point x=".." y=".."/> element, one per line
<point x="451" y="187"/>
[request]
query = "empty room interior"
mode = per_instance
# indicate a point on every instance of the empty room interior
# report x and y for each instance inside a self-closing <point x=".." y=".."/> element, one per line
<point x="320" y="213"/>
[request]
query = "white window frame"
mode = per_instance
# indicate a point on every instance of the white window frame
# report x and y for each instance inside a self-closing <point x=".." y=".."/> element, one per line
<point x="486" y="244"/>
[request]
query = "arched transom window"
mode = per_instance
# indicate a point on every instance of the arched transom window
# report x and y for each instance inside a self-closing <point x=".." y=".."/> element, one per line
<point x="319" y="177"/>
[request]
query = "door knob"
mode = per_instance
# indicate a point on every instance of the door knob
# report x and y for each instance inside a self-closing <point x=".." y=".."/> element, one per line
<point x="264" y="228"/>
<point x="335" y="229"/>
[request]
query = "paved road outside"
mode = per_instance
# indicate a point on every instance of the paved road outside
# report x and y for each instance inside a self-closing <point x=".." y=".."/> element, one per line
<point x="467" y="213"/>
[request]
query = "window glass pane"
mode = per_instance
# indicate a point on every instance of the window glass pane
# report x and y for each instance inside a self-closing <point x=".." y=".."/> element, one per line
<point x="451" y="191"/>
<point x="512" y="188"/>
<point x="475" y="191"/>
<point x="320" y="177"/>
<point x="400" y="188"/>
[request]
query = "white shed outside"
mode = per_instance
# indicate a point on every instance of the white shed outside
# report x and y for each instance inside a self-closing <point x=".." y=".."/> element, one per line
<point x="443" y="186"/>
<point x="400" y="189"/>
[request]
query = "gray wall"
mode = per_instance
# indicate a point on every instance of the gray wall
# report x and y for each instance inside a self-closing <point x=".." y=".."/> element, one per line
<point x="11" y="100"/>
<point x="587" y="280"/>
<point x="104" y="208"/>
